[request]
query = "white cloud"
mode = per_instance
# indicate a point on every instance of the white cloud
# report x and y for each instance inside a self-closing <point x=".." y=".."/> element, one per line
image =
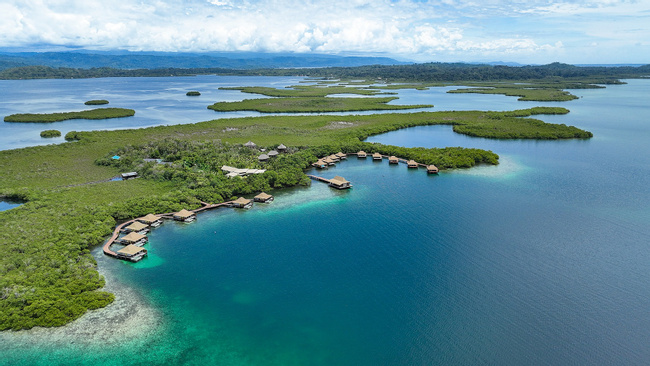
<point x="433" y="29"/>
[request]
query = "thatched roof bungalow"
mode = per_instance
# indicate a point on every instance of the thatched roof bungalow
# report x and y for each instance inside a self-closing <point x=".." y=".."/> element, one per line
<point x="251" y="144"/>
<point x="377" y="156"/>
<point x="263" y="197"/>
<point x="339" y="182"/>
<point x="412" y="164"/>
<point x="134" y="238"/>
<point x="137" y="227"/>
<point x="361" y="154"/>
<point x="341" y="155"/>
<point x="273" y="153"/>
<point x="432" y="169"/>
<point x="281" y="148"/>
<point x="393" y="160"/>
<point x="320" y="164"/>
<point x="132" y="253"/>
<point x="328" y="161"/>
<point x="151" y="220"/>
<point x="242" y="202"/>
<point x="185" y="216"/>
<point x="263" y="157"/>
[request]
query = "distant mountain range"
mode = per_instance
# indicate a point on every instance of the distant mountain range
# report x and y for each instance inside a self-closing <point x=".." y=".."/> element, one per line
<point x="159" y="60"/>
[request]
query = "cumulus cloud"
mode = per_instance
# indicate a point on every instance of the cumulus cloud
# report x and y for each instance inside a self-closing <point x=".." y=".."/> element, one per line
<point x="400" y="27"/>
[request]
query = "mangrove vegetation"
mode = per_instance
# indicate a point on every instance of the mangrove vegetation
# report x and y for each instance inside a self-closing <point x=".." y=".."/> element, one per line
<point x="98" y="113"/>
<point x="50" y="133"/>
<point x="312" y="104"/>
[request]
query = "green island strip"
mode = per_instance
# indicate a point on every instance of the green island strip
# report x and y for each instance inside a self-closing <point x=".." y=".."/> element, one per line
<point x="50" y="133"/>
<point x="309" y="104"/>
<point x="96" y="102"/>
<point x="48" y="276"/>
<point x="312" y="91"/>
<point x="98" y="113"/>
<point x="193" y="93"/>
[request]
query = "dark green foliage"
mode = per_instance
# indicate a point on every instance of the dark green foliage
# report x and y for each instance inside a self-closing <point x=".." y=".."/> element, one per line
<point x="309" y="104"/>
<point x="99" y="113"/>
<point x="72" y="136"/>
<point x="192" y="93"/>
<point x="50" y="133"/>
<point x="96" y="102"/>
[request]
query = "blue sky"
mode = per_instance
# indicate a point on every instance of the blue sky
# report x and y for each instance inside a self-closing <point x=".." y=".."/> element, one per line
<point x="525" y="31"/>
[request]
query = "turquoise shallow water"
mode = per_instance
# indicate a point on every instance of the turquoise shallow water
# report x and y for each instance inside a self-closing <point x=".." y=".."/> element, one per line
<point x="543" y="259"/>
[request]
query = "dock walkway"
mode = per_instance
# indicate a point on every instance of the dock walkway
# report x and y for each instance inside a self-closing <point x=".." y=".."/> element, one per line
<point x="169" y="215"/>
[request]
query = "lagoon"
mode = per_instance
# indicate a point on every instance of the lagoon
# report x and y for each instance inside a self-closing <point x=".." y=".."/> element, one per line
<point x="542" y="259"/>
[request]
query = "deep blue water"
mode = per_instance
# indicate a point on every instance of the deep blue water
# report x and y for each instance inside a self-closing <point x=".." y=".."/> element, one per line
<point x="541" y="260"/>
<point x="6" y="204"/>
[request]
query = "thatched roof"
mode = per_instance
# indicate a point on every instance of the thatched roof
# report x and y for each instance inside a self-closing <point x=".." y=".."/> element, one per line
<point x="241" y="201"/>
<point x="263" y="196"/>
<point x="282" y="147"/>
<point x="184" y="214"/>
<point x="149" y="218"/>
<point x="250" y="144"/>
<point x="432" y="168"/>
<point x="341" y="154"/>
<point x="137" y="226"/>
<point x="273" y="153"/>
<point x="131" y="250"/>
<point x="133" y="237"/>
<point x="263" y="157"/>
<point x="412" y="163"/>
<point x="377" y="155"/>
<point x="362" y="153"/>
<point x="338" y="180"/>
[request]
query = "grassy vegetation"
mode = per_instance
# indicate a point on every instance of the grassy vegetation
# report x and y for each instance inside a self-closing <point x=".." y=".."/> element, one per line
<point x="50" y="133"/>
<point x="524" y="94"/>
<point x="47" y="275"/>
<point x="305" y="91"/>
<point x="96" y="102"/>
<point x="193" y="93"/>
<point x="311" y="104"/>
<point x="99" y="113"/>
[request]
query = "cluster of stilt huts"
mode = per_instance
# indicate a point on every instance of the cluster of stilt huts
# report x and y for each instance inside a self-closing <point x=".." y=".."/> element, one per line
<point x="132" y="235"/>
<point x="324" y="163"/>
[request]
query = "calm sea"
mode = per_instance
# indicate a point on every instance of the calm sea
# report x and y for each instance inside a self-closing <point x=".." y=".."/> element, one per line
<point x="542" y="260"/>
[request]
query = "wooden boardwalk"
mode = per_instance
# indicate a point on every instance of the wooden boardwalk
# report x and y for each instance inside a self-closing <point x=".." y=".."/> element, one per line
<point x="320" y="179"/>
<point x="169" y="215"/>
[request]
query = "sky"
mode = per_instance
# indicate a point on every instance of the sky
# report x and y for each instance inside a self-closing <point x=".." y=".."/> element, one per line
<point x="524" y="31"/>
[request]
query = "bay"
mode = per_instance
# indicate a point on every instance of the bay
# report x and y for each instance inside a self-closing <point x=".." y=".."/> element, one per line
<point x="540" y="260"/>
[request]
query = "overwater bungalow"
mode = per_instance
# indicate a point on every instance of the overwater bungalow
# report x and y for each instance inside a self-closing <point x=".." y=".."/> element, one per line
<point x="377" y="156"/>
<point x="334" y="158"/>
<point x="132" y="253"/>
<point x="393" y="160"/>
<point x="432" y="169"/>
<point x="137" y="227"/>
<point x="281" y="148"/>
<point x="134" y="239"/>
<point x="151" y="220"/>
<point x="361" y="154"/>
<point x="273" y="154"/>
<point x="251" y="144"/>
<point x="129" y="175"/>
<point x="320" y="164"/>
<point x="339" y="182"/>
<point x="185" y="216"/>
<point x="412" y="164"/>
<point x="341" y="155"/>
<point x="329" y="161"/>
<point x="242" y="202"/>
<point x="263" y="157"/>
<point x="263" y="197"/>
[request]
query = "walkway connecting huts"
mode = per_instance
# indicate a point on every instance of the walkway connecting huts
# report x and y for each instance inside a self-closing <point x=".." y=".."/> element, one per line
<point x="151" y="220"/>
<point x="132" y="253"/>
<point x="432" y="169"/>
<point x="393" y="160"/>
<point x="339" y="182"/>
<point x="361" y="154"/>
<point x="263" y="197"/>
<point x="341" y="155"/>
<point x="377" y="156"/>
<point x="242" y="202"/>
<point x="412" y="164"/>
<point x="134" y="239"/>
<point x="185" y="216"/>
<point x="137" y="227"/>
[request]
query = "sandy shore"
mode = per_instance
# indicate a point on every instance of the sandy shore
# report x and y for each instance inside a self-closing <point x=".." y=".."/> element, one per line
<point x="128" y="317"/>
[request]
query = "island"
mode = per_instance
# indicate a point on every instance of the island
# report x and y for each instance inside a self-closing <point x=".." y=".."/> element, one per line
<point x="99" y="113"/>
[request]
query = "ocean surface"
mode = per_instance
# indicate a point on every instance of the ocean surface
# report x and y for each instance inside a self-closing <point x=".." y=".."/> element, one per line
<point x="541" y="260"/>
